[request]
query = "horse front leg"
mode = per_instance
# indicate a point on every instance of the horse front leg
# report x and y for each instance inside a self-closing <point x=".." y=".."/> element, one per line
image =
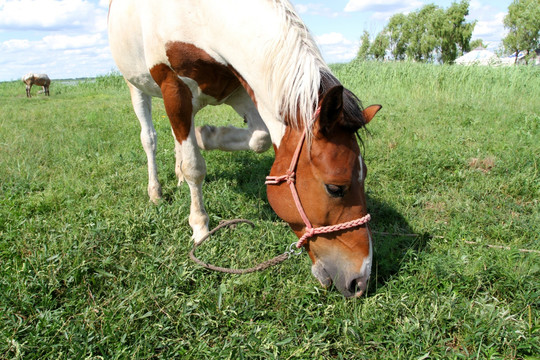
<point x="178" y="161"/>
<point x="193" y="169"/>
<point x="177" y="98"/>
<point x="28" y="89"/>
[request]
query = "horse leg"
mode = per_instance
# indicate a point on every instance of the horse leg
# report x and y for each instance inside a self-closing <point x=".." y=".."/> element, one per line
<point x="230" y="138"/>
<point x="142" y="104"/>
<point x="178" y="161"/>
<point x="46" y="90"/>
<point x="177" y="98"/>
<point x="28" y="90"/>
<point x="193" y="169"/>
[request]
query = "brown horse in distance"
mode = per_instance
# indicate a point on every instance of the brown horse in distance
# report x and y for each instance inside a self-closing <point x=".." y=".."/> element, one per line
<point x="36" y="79"/>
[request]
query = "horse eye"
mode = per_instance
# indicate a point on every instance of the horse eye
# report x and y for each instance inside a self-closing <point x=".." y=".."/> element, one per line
<point x="335" y="190"/>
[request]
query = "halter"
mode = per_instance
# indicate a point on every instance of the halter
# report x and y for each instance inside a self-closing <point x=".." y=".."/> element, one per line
<point x="290" y="178"/>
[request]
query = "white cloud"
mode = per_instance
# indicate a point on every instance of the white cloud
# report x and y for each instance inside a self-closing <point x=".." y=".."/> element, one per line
<point x="337" y="47"/>
<point x="60" y="56"/>
<point x="383" y="9"/>
<point x="14" y="45"/>
<point x="489" y="28"/>
<point x="50" y="15"/>
<point x="63" y="42"/>
<point x="374" y="5"/>
<point x="331" y="39"/>
<point x="315" y="9"/>
<point x="63" y="38"/>
<point x="490" y="23"/>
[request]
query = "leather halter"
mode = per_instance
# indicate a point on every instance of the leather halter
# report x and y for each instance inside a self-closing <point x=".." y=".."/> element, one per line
<point x="290" y="178"/>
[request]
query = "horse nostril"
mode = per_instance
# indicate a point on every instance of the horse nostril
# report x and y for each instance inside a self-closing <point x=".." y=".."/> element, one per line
<point x="357" y="287"/>
<point x="353" y="286"/>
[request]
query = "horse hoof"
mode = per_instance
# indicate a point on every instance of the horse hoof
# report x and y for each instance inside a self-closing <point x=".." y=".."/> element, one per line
<point x="155" y="194"/>
<point x="199" y="236"/>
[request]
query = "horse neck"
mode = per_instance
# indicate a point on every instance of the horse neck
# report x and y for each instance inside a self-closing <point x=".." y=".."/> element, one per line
<point x="276" y="56"/>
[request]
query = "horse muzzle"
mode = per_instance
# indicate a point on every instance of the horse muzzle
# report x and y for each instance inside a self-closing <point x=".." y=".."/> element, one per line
<point x="347" y="274"/>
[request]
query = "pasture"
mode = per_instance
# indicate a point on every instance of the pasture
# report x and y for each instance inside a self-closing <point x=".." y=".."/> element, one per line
<point x="90" y="269"/>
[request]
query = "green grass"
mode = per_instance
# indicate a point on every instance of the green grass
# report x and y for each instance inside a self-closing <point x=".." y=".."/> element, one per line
<point x="89" y="269"/>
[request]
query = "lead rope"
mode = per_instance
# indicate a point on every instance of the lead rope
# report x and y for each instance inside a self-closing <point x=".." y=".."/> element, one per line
<point x="264" y="265"/>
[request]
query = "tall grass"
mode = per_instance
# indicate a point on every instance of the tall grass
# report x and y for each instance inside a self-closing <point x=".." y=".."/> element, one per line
<point x="90" y="269"/>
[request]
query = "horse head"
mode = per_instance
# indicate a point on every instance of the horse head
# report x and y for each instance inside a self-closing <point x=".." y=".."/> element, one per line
<point x="328" y="179"/>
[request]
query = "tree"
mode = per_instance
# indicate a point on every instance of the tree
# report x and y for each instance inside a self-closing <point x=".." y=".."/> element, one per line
<point x="422" y="40"/>
<point x="478" y="43"/>
<point x="363" y="52"/>
<point x="453" y="32"/>
<point x="398" y="35"/>
<point x="523" y="23"/>
<point x="379" y="46"/>
<point x="426" y="34"/>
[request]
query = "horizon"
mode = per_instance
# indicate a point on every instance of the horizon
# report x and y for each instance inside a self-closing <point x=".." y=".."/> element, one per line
<point x="53" y="38"/>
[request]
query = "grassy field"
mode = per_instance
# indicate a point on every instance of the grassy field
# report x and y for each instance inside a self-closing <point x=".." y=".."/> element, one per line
<point x="90" y="269"/>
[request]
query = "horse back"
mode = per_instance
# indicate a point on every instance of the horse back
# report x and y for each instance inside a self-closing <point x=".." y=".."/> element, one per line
<point x="203" y="41"/>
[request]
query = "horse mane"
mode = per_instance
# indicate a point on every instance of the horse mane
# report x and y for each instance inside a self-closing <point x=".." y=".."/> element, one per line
<point x="353" y="116"/>
<point x="295" y="71"/>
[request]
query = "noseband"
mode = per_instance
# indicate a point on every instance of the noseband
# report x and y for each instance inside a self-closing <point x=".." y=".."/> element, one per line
<point x="290" y="178"/>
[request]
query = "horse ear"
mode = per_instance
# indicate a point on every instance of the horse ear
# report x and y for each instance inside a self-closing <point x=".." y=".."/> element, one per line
<point x="370" y="112"/>
<point x="331" y="108"/>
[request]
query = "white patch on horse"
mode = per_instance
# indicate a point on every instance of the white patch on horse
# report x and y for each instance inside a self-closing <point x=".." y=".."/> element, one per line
<point x="285" y="74"/>
<point x="365" y="270"/>
<point x="361" y="173"/>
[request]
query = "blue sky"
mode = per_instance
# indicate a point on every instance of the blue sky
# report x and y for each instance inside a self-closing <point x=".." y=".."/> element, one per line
<point x="68" y="38"/>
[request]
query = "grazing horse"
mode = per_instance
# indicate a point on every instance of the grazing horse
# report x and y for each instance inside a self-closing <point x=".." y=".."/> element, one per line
<point x="258" y="57"/>
<point x="36" y="79"/>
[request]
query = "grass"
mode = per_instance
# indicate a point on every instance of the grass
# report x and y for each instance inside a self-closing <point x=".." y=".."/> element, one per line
<point x="90" y="269"/>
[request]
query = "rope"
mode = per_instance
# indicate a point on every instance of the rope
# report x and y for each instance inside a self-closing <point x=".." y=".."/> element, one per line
<point x="328" y="229"/>
<point x="261" y="266"/>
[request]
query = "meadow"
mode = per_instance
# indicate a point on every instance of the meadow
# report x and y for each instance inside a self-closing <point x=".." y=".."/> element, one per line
<point x="90" y="269"/>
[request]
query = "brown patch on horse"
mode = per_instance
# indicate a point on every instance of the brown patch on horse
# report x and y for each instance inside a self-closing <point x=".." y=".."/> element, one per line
<point x="177" y="99"/>
<point x="244" y="83"/>
<point x="214" y="78"/>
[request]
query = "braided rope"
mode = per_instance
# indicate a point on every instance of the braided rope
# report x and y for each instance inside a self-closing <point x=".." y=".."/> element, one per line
<point x="331" y="228"/>
<point x="264" y="265"/>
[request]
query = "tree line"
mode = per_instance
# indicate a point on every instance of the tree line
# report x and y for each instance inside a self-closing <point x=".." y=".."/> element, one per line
<point x="523" y="24"/>
<point x="434" y="34"/>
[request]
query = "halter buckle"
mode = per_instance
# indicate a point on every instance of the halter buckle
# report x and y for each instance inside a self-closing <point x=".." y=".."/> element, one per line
<point x="292" y="250"/>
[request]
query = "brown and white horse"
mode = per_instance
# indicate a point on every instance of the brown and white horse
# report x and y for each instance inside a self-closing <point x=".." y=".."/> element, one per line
<point x="36" y="79"/>
<point x="258" y="57"/>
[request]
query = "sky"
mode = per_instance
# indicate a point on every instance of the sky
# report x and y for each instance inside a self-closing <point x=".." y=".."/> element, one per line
<point x="68" y="38"/>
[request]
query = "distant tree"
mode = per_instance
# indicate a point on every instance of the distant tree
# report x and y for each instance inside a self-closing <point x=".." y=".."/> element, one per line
<point x="397" y="31"/>
<point x="422" y="40"/>
<point x="379" y="46"/>
<point x="427" y="34"/>
<point x="523" y="24"/>
<point x="453" y="32"/>
<point x="363" y="52"/>
<point x="478" y="43"/>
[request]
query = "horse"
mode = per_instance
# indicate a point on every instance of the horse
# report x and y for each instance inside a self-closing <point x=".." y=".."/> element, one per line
<point x="36" y="79"/>
<point x="258" y="57"/>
